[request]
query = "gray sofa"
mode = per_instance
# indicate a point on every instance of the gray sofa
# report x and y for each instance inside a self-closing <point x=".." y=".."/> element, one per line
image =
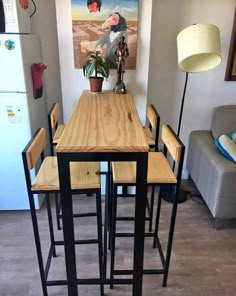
<point x="212" y="173"/>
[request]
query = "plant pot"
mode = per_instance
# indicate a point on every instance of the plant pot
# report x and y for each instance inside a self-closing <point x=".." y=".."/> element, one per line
<point x="96" y="84"/>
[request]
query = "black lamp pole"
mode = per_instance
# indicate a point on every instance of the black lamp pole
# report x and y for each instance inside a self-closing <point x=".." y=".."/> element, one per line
<point x="167" y="193"/>
<point x="182" y="104"/>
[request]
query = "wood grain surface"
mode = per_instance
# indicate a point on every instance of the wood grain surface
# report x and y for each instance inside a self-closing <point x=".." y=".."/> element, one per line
<point x="171" y="143"/>
<point x="84" y="175"/>
<point x="36" y="148"/>
<point x="152" y="117"/>
<point x="159" y="170"/>
<point x="103" y="122"/>
<point x="54" y="115"/>
<point x="149" y="137"/>
<point x="58" y="133"/>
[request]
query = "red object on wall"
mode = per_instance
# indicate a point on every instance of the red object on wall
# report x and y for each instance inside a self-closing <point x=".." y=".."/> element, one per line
<point x="37" y="70"/>
<point x="24" y="4"/>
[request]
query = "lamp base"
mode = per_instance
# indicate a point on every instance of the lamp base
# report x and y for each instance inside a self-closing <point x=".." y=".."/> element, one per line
<point x="168" y="194"/>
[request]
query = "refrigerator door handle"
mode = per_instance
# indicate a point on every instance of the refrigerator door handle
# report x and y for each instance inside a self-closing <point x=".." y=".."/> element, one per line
<point x="13" y="92"/>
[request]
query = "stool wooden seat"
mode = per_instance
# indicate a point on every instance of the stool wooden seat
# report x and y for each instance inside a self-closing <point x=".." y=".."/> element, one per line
<point x="84" y="175"/>
<point x="85" y="178"/>
<point x="159" y="173"/>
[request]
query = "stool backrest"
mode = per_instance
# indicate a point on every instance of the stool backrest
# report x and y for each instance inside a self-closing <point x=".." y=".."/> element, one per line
<point x="171" y="142"/>
<point x="53" y="117"/>
<point x="154" y="122"/>
<point x="151" y="115"/>
<point x="35" y="147"/>
<point x="54" y="114"/>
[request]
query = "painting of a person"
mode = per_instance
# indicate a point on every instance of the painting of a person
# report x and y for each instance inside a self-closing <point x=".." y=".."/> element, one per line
<point x="99" y="24"/>
<point x="117" y="28"/>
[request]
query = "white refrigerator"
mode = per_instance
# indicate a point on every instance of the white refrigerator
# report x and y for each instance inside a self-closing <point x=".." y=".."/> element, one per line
<point x="16" y="16"/>
<point x="20" y="115"/>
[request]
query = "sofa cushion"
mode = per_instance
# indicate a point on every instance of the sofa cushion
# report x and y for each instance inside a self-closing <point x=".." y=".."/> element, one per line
<point x="223" y="120"/>
<point x="226" y="146"/>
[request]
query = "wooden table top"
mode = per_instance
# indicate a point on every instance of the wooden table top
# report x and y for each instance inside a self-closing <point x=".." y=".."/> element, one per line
<point x="104" y="122"/>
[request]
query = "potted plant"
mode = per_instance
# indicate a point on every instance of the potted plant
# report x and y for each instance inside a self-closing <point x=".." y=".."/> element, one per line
<point x="95" y="68"/>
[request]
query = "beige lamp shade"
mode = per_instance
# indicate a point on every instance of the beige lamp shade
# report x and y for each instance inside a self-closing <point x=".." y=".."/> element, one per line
<point x="199" y="48"/>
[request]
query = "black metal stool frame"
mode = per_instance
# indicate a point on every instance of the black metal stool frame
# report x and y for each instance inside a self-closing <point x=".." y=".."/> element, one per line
<point x="44" y="268"/>
<point x="156" y="241"/>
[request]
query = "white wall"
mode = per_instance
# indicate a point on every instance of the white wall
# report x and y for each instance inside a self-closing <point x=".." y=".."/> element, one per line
<point x="166" y="82"/>
<point x="73" y="81"/>
<point x="43" y="22"/>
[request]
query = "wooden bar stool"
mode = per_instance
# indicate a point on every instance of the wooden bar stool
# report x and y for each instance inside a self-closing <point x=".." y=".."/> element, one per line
<point x="85" y="178"/>
<point x="159" y="173"/>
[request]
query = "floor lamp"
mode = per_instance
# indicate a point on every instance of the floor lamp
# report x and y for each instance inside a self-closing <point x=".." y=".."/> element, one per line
<point x="199" y="50"/>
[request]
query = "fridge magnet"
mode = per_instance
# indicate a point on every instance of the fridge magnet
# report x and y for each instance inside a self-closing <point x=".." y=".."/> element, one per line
<point x="99" y="25"/>
<point x="9" y="44"/>
<point x="37" y="70"/>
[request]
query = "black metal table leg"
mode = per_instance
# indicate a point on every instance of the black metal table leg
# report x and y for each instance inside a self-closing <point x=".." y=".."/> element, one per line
<point x="112" y="233"/>
<point x="99" y="231"/>
<point x="68" y="224"/>
<point x="139" y="226"/>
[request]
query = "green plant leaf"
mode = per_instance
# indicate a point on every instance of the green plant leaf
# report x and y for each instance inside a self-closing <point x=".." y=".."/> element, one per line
<point x="95" y="65"/>
<point x="88" y="70"/>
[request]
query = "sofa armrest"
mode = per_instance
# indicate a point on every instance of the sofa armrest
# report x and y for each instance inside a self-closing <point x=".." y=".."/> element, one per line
<point x="213" y="174"/>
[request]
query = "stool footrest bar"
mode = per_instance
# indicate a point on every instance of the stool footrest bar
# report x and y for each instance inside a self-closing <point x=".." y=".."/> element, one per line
<point x="145" y="271"/>
<point x="78" y="242"/>
<point x="131" y="234"/>
<point x="129" y="218"/>
<point x="81" y="215"/>
<point x="92" y="281"/>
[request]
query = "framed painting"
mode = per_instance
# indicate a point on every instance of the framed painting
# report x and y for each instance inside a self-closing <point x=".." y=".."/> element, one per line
<point x="99" y="24"/>
<point x="230" y="74"/>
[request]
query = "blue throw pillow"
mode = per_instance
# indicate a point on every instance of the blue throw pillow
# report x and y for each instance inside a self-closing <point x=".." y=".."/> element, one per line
<point x="226" y="146"/>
